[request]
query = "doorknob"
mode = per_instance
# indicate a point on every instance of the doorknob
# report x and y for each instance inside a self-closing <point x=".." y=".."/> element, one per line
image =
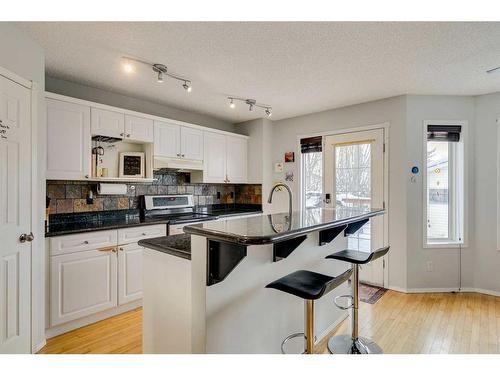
<point x="26" y="237"/>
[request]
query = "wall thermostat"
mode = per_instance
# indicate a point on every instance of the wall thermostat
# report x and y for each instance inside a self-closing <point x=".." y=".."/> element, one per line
<point x="414" y="170"/>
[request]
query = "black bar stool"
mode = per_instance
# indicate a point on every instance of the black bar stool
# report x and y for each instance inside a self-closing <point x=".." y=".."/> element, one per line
<point x="353" y="344"/>
<point x="309" y="286"/>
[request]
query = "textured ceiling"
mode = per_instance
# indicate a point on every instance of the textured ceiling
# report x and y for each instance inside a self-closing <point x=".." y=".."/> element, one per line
<point x="297" y="68"/>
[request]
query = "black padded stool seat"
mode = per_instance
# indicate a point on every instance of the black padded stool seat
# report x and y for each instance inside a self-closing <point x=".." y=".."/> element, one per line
<point x="358" y="257"/>
<point x="309" y="285"/>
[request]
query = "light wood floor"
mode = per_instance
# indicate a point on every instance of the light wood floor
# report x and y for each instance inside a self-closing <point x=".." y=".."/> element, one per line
<point x="398" y="322"/>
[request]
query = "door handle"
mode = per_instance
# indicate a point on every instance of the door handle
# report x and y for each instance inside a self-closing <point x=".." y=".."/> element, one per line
<point x="26" y="237"/>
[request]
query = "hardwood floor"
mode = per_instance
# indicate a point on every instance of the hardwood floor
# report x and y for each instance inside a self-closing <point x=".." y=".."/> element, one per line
<point x="398" y="322"/>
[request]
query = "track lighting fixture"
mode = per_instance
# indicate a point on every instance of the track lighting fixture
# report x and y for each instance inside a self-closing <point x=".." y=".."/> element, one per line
<point x="251" y="104"/>
<point x="160" y="69"/>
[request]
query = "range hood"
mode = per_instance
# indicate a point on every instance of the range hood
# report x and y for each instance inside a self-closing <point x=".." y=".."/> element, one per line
<point x="175" y="163"/>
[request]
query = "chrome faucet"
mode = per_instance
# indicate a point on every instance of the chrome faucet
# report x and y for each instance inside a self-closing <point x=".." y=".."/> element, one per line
<point x="270" y="199"/>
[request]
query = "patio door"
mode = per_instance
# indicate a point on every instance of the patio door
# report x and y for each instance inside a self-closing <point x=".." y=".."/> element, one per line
<point x="354" y="177"/>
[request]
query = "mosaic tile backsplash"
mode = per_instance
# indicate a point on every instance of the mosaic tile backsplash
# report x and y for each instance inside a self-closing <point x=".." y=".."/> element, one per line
<point x="70" y="196"/>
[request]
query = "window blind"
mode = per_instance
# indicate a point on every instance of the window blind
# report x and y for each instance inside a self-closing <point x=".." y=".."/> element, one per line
<point x="443" y="133"/>
<point x="312" y="144"/>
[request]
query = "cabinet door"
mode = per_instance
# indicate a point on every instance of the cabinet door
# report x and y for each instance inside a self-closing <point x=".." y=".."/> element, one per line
<point x="236" y="150"/>
<point x="214" y="157"/>
<point x="82" y="284"/>
<point x="129" y="273"/>
<point x="68" y="140"/>
<point x="167" y="140"/>
<point x="191" y="143"/>
<point x="138" y="129"/>
<point x="109" y="123"/>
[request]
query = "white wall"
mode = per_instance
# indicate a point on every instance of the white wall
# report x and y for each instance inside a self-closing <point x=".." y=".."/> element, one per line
<point x="445" y="262"/>
<point x="25" y="58"/>
<point x="486" y="257"/>
<point x="392" y="110"/>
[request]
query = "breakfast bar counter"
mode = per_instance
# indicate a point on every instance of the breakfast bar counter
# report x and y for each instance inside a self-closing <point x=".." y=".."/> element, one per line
<point x="216" y="301"/>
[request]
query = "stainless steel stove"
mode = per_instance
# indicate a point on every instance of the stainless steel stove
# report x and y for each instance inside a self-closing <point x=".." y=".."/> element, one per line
<point x="177" y="209"/>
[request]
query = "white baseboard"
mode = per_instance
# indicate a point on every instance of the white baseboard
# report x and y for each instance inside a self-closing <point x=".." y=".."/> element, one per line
<point x="37" y="347"/>
<point x="446" y="290"/>
<point x="70" y="326"/>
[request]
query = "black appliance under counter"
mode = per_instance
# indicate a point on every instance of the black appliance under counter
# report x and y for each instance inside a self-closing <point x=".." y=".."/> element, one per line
<point x="178" y="245"/>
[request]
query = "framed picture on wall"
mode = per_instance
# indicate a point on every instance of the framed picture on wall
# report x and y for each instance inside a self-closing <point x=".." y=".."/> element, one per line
<point x="131" y="164"/>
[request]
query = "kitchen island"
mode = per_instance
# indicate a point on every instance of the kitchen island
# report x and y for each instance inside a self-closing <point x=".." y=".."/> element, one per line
<point x="215" y="300"/>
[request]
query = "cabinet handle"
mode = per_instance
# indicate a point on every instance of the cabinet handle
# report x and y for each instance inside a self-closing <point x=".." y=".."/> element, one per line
<point x="183" y="155"/>
<point x="86" y="242"/>
<point x="86" y="176"/>
<point x="128" y="135"/>
<point x="122" y="134"/>
<point x="112" y="248"/>
<point x="178" y="154"/>
<point x="144" y="234"/>
<point x="120" y="248"/>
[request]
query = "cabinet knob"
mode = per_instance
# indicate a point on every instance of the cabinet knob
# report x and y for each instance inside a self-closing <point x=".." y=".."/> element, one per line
<point x="128" y="135"/>
<point x="183" y="155"/>
<point x="122" y="134"/>
<point x="178" y="154"/>
<point x="144" y="234"/>
<point x="86" y="242"/>
<point x="86" y="176"/>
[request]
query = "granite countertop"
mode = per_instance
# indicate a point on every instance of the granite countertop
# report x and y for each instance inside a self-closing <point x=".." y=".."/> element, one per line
<point x="178" y="245"/>
<point x="72" y="223"/>
<point x="265" y="229"/>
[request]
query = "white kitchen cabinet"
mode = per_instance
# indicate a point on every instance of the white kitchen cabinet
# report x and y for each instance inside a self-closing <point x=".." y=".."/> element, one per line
<point x="191" y="143"/>
<point x="167" y="140"/>
<point x="129" y="273"/>
<point x="236" y="159"/>
<point x="108" y="123"/>
<point x="82" y="284"/>
<point x="214" y="157"/>
<point x="176" y="141"/>
<point x="68" y="140"/>
<point x="138" y="129"/>
<point x="224" y="159"/>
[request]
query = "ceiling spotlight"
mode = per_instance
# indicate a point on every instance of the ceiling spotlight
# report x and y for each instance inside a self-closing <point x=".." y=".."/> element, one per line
<point x="128" y="67"/>
<point x="160" y="77"/>
<point x="251" y="104"/>
<point x="187" y="86"/>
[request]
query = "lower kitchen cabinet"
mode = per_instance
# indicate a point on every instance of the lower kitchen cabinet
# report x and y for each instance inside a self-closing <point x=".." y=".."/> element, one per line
<point x="129" y="273"/>
<point x="82" y="283"/>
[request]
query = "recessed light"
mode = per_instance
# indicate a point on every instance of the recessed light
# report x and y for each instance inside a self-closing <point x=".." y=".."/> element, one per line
<point x="128" y="67"/>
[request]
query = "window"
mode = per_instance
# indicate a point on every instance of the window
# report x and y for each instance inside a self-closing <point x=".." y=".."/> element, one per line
<point x="312" y="172"/>
<point x="444" y="184"/>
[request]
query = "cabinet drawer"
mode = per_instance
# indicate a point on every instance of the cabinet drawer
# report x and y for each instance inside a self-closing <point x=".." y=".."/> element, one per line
<point x="82" y="242"/>
<point x="129" y="235"/>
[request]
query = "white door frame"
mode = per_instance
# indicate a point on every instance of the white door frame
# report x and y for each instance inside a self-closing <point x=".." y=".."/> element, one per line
<point x="37" y="257"/>
<point x="386" y="127"/>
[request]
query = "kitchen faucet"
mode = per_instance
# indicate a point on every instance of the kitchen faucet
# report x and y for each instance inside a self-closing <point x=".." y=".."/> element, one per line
<point x="270" y="199"/>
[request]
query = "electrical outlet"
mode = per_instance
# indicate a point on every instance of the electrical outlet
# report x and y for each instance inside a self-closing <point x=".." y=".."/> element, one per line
<point x="430" y="266"/>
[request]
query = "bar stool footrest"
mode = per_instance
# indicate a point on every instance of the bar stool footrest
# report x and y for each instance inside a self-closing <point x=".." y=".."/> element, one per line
<point x="343" y="296"/>
<point x="293" y="336"/>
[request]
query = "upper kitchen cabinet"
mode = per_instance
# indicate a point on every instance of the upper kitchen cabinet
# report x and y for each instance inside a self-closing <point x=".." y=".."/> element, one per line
<point x="236" y="159"/>
<point x="68" y="140"/>
<point x="224" y="159"/>
<point x="167" y="140"/>
<point x="191" y="143"/>
<point x="108" y="123"/>
<point x="214" y="161"/>
<point x="138" y="129"/>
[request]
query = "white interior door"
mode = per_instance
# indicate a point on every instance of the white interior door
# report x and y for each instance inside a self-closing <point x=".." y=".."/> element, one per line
<point x="15" y="217"/>
<point x="354" y="176"/>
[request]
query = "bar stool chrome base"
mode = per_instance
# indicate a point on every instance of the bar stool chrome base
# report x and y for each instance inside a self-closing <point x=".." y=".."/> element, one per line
<point x="343" y="344"/>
